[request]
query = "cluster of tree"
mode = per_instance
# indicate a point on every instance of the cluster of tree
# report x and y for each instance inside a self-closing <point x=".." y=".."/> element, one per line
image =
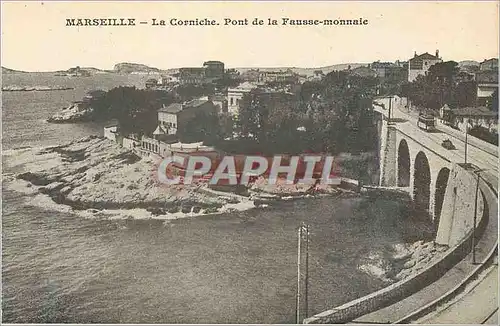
<point x="206" y="127"/>
<point x="441" y="86"/>
<point x="188" y="92"/>
<point x="332" y="115"/>
<point x="134" y="109"/>
<point x="493" y="101"/>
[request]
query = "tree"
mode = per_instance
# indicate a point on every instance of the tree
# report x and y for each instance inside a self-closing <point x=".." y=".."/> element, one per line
<point x="494" y="101"/>
<point x="134" y="109"/>
<point x="465" y="94"/>
<point x="202" y="127"/>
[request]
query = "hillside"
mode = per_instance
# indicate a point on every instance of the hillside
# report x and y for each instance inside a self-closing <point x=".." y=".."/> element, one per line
<point x="127" y="68"/>
<point x="11" y="71"/>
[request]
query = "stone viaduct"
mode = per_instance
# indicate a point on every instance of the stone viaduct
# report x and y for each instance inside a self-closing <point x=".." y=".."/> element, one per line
<point x="412" y="160"/>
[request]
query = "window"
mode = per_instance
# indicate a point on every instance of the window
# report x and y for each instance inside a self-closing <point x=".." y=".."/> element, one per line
<point x="231" y="100"/>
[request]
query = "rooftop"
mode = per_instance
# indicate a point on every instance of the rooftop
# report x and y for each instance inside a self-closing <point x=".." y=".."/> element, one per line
<point x="172" y="108"/>
<point x="425" y="56"/>
<point x="178" y="107"/>
<point x="490" y="60"/>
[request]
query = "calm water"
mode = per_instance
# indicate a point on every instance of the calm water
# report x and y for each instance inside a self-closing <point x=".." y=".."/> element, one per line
<point x="230" y="268"/>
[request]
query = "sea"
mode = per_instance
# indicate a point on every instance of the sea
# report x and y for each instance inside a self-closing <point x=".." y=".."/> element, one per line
<point x="238" y="267"/>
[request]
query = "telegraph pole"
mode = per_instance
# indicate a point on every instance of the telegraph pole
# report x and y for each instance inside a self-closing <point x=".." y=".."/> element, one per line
<point x="466" y="133"/>
<point x="475" y="219"/>
<point x="297" y="308"/>
<point x="390" y="108"/>
<point x="306" y="288"/>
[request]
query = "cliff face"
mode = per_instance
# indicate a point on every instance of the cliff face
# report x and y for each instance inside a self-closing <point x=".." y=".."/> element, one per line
<point x="127" y="68"/>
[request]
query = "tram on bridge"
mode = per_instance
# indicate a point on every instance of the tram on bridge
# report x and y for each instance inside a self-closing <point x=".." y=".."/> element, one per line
<point x="426" y="122"/>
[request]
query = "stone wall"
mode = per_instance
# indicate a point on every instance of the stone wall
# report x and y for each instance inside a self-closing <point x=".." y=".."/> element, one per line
<point x="387" y="153"/>
<point x="457" y="214"/>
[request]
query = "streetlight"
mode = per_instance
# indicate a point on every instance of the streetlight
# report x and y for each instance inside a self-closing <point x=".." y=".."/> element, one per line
<point x="475" y="216"/>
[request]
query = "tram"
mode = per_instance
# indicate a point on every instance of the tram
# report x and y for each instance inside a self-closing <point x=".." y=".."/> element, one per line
<point x="426" y="122"/>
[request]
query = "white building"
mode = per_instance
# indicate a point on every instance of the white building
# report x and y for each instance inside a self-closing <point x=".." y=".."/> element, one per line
<point x="419" y="65"/>
<point x="110" y="132"/>
<point x="167" y="119"/>
<point x="234" y="96"/>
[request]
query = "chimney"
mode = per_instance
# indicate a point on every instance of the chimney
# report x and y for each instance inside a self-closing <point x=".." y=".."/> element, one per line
<point x="415" y="55"/>
<point x="437" y="54"/>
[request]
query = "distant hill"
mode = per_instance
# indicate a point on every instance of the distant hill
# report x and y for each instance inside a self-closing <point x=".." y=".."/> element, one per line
<point x="11" y="71"/>
<point x="309" y="71"/>
<point x="128" y="68"/>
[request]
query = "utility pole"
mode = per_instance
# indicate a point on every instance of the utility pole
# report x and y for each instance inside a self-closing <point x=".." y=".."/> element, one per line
<point x="390" y="108"/>
<point x="303" y="234"/>
<point x="297" y="308"/>
<point x="306" y="288"/>
<point x="466" y="133"/>
<point x="475" y="219"/>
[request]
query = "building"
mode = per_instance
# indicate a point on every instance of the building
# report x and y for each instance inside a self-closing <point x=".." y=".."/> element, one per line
<point x="214" y="69"/>
<point x="191" y="75"/>
<point x="150" y="83"/>
<point x="489" y="64"/>
<point x="220" y="102"/>
<point x="174" y="116"/>
<point x="419" y="65"/>
<point x="234" y="96"/>
<point x="391" y="72"/>
<point x="251" y="75"/>
<point x="110" y="132"/>
<point x="479" y="116"/>
<point x="286" y="76"/>
<point x="487" y="84"/>
<point x="168" y="79"/>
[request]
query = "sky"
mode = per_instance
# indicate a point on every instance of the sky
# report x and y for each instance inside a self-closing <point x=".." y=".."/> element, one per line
<point x="35" y="36"/>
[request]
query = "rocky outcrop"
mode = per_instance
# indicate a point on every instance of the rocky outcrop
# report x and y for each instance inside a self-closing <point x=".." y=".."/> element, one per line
<point x="76" y="112"/>
<point x="95" y="173"/>
<point x="128" y="68"/>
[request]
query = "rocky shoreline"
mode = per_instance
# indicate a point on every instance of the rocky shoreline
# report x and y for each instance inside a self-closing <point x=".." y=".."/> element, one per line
<point x="76" y="112"/>
<point x="405" y="260"/>
<point x="96" y="174"/>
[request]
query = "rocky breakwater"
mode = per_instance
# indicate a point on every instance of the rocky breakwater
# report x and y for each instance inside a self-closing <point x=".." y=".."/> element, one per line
<point x="96" y="174"/>
<point x="76" y="112"/>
